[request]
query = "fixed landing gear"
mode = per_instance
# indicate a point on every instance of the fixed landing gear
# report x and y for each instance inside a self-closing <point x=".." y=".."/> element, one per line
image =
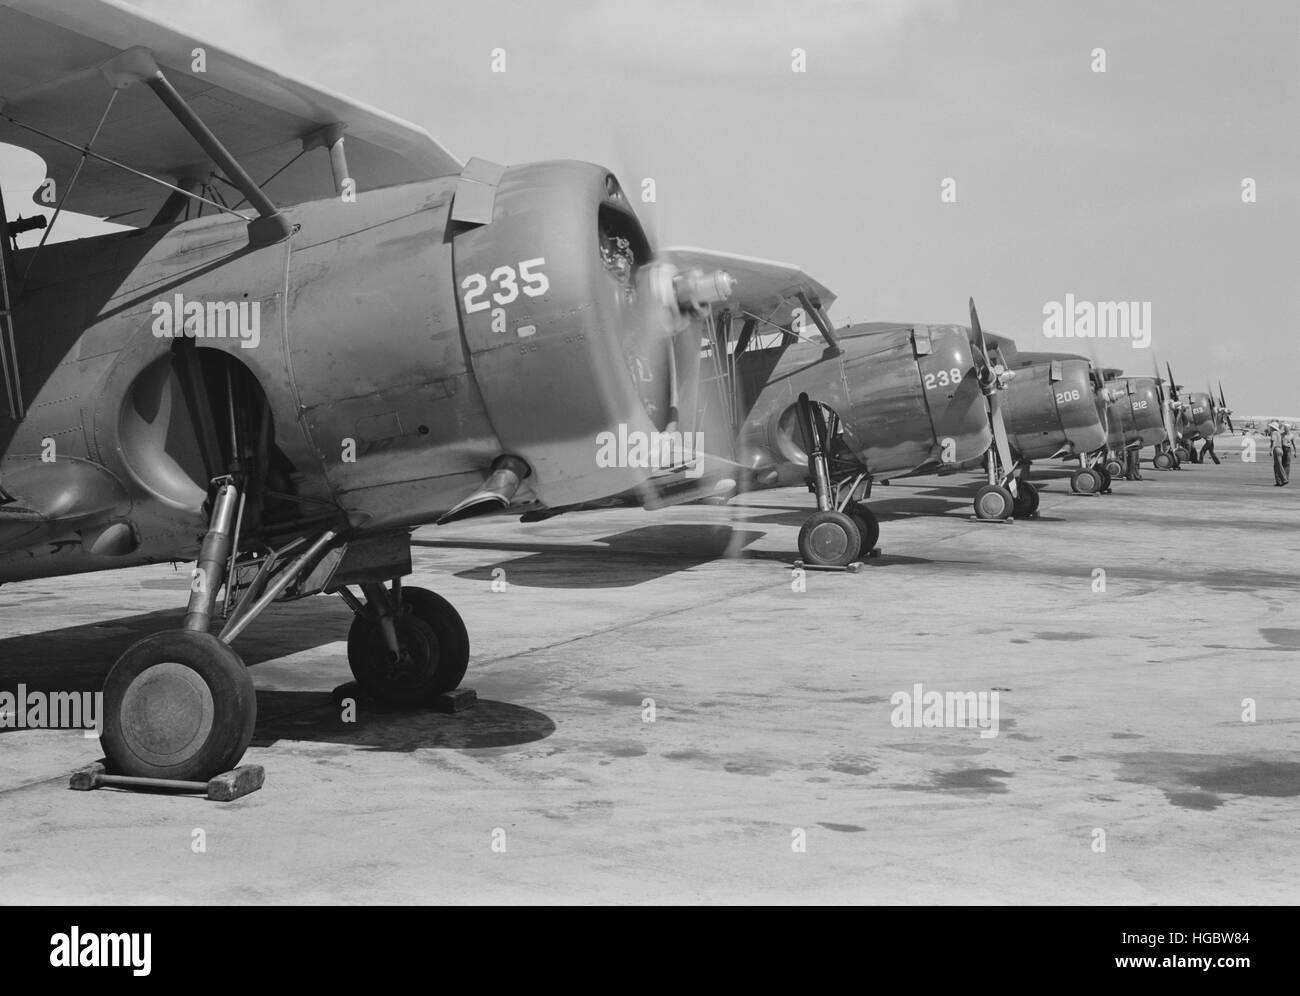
<point x="1113" y="467"/>
<point x="1008" y="493"/>
<point x="843" y="529"/>
<point x="830" y="539"/>
<point x="868" y="525"/>
<point x="1087" y="481"/>
<point x="993" y="501"/>
<point x="180" y="705"/>
<point x="1181" y="455"/>
<point x="406" y="646"/>
<point x="1026" y="500"/>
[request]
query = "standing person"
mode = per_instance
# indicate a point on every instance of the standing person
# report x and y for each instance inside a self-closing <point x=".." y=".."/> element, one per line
<point x="1281" y="455"/>
<point x="1209" y="448"/>
<point x="1288" y="449"/>
<point x="1133" y="465"/>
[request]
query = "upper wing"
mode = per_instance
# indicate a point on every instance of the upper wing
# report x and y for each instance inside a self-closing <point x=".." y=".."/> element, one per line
<point x="51" y="52"/>
<point x="764" y="288"/>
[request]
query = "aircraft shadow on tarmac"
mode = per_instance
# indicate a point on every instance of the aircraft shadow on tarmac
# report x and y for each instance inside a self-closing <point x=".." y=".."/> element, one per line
<point x="622" y="560"/>
<point x="314" y="717"/>
<point x="884" y="509"/>
<point x="77" y="659"/>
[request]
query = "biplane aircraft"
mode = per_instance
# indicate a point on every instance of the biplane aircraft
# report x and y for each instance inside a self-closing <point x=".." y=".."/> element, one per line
<point x="843" y="408"/>
<point x="1056" y="410"/>
<point x="320" y="331"/>
<point x="1135" y="417"/>
<point x="1197" y="415"/>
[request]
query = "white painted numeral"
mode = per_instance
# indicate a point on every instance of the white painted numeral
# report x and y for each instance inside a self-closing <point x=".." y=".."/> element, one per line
<point x="535" y="284"/>
<point x="505" y="278"/>
<point x="474" y="284"/>
<point x="944" y="378"/>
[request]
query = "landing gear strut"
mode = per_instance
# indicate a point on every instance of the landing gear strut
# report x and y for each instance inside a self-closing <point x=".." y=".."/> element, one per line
<point x="407" y="646"/>
<point x="843" y="529"/>
<point x="180" y="705"/>
<point x="1007" y="494"/>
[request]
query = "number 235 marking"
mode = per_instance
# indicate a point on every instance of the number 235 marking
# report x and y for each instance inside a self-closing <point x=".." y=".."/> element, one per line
<point x="507" y="280"/>
<point x="944" y="378"/>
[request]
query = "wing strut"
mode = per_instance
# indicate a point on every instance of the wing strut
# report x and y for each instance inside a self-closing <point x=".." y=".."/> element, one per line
<point x="138" y="63"/>
<point x="8" y="348"/>
<point x="823" y="326"/>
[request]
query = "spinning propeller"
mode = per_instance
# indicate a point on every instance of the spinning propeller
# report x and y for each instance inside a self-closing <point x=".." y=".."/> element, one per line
<point x="1224" y="411"/>
<point x="993" y="377"/>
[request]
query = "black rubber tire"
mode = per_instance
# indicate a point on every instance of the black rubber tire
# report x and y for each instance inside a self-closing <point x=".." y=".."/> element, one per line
<point x="450" y="627"/>
<point x="1162" y="461"/>
<point x="1026" y="500"/>
<point x="1085" y="481"/>
<point x="868" y="525"/>
<point x="830" y="539"/>
<point x="1181" y="454"/>
<point x="180" y="705"/>
<point x="993" y="502"/>
<point x="435" y="649"/>
<point x="1106" y="479"/>
<point x="1114" y="468"/>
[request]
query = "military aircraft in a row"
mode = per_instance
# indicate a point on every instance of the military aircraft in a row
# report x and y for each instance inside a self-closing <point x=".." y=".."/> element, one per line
<point x="384" y="337"/>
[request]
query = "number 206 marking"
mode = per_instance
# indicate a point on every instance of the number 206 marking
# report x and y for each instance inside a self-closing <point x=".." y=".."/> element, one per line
<point x="944" y="378"/>
<point x="1064" y="396"/>
<point x="507" y="280"/>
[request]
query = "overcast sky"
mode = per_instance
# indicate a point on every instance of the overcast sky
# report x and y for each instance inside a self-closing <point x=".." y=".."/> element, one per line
<point x="1115" y="186"/>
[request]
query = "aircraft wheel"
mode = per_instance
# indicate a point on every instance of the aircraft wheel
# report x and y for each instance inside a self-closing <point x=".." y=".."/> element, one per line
<point x="1181" y="455"/>
<point x="434" y="651"/>
<point x="993" y="502"/>
<point x="1025" y="502"/>
<point x="1162" y="461"/>
<point x="178" y="705"/>
<point x="450" y="627"/>
<point x="1114" y="468"/>
<point x="1105" y="476"/>
<point x="867" y="525"/>
<point x="1085" y="481"/>
<point x="830" y="539"/>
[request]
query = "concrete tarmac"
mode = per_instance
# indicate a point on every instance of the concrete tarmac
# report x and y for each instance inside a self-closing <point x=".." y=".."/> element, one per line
<point x="664" y="716"/>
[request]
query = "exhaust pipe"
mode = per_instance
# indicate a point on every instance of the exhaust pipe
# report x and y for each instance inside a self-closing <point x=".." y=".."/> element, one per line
<point x="497" y="492"/>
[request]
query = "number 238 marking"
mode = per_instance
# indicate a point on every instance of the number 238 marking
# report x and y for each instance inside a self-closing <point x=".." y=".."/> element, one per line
<point x="944" y="378"/>
<point x="535" y="283"/>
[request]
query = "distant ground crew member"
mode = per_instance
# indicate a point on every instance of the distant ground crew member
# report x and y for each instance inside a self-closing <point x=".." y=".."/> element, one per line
<point x="1209" y="448"/>
<point x="1133" y="465"/>
<point x="1278" y="446"/>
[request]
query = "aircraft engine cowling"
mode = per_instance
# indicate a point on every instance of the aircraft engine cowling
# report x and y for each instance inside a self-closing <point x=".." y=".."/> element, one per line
<point x="1052" y="408"/>
<point x="1144" y="405"/>
<point x="585" y="350"/>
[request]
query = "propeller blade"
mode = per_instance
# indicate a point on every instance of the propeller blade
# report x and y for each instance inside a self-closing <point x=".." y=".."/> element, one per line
<point x="1173" y="388"/>
<point x="978" y="346"/>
